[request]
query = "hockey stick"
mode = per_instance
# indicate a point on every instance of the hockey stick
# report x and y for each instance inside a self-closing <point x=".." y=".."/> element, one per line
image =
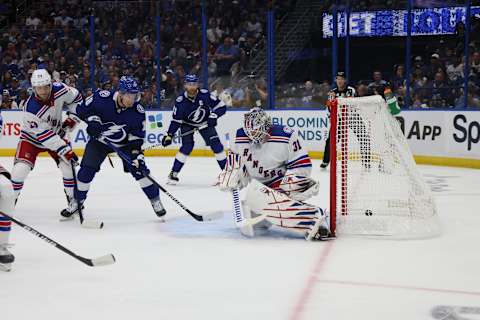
<point x="95" y="262"/>
<point x="157" y="145"/>
<point x="84" y="223"/>
<point x="197" y="217"/>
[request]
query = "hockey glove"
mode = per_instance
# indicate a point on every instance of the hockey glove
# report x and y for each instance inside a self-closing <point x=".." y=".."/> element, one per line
<point x="212" y="120"/>
<point x="66" y="153"/>
<point x="299" y="187"/>
<point x="234" y="176"/>
<point x="94" y="128"/>
<point x="139" y="165"/>
<point x="166" y="140"/>
<point x="70" y="122"/>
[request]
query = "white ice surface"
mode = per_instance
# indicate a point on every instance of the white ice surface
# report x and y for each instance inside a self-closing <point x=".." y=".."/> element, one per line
<point x="184" y="269"/>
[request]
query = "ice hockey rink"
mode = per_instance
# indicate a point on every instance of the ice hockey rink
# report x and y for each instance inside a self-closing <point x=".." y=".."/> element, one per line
<point x="184" y="269"/>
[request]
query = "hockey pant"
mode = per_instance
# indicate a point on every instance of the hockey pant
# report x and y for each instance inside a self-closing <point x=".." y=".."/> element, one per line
<point x="25" y="159"/>
<point x="209" y="135"/>
<point x="95" y="154"/>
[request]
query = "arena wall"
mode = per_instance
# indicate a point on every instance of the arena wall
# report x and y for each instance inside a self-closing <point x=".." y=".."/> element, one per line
<point x="449" y="138"/>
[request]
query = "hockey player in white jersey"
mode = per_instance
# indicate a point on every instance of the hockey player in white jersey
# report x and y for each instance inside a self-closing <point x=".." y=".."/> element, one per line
<point x="271" y="161"/>
<point x="7" y="204"/>
<point x="43" y="130"/>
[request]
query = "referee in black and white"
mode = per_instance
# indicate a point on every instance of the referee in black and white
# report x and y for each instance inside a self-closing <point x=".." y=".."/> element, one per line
<point x="341" y="90"/>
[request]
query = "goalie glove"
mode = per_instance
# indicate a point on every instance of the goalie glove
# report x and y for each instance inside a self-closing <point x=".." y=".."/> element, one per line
<point x="234" y="175"/>
<point x="299" y="187"/>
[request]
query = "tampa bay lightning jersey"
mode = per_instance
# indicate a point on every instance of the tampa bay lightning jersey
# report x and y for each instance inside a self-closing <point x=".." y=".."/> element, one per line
<point x="121" y="126"/>
<point x="195" y="112"/>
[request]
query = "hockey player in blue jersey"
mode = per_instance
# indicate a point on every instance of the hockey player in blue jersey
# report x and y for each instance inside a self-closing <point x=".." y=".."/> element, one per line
<point x="119" y="119"/>
<point x="195" y="109"/>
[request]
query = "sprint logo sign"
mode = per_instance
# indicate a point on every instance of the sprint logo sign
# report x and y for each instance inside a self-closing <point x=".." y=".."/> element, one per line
<point x="155" y="120"/>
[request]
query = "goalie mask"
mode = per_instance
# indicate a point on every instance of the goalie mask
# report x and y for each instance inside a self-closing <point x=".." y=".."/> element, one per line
<point x="257" y="124"/>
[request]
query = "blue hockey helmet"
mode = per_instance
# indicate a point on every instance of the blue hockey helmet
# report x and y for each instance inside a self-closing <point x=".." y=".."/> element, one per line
<point x="191" y="79"/>
<point x="128" y="84"/>
<point x="129" y="90"/>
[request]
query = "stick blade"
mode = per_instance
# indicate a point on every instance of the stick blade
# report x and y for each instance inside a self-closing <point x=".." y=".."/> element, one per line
<point x="103" y="260"/>
<point x="213" y="216"/>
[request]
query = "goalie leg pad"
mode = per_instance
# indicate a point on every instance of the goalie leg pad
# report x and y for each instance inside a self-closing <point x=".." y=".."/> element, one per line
<point x="282" y="211"/>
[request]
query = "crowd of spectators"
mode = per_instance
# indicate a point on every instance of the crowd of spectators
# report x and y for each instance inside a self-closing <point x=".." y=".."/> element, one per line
<point x="55" y="35"/>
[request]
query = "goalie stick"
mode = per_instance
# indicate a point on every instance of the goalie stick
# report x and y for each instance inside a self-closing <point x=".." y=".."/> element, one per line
<point x="95" y="262"/>
<point x="126" y="158"/>
<point x="238" y="216"/>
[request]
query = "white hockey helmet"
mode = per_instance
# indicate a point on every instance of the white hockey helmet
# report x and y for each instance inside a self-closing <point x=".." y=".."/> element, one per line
<point x="40" y="77"/>
<point x="257" y="124"/>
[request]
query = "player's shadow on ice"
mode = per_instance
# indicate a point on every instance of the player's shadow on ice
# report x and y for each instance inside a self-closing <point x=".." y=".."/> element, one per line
<point x="223" y="228"/>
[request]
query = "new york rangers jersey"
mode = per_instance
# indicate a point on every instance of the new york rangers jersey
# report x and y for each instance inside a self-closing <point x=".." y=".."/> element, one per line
<point x="42" y="121"/>
<point x="270" y="161"/>
<point x="121" y="126"/>
<point x="195" y="112"/>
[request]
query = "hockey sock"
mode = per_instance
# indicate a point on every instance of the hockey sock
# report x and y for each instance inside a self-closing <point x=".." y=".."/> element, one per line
<point x="180" y="160"/>
<point x="221" y="159"/>
<point x="84" y="177"/>
<point x="19" y="174"/>
<point x="150" y="190"/>
<point x="7" y="205"/>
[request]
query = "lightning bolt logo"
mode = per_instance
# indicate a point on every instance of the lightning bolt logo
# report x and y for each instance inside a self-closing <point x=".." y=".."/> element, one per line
<point x="115" y="133"/>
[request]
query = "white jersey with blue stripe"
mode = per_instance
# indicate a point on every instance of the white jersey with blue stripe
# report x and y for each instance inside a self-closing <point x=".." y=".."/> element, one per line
<point x="42" y="120"/>
<point x="281" y="154"/>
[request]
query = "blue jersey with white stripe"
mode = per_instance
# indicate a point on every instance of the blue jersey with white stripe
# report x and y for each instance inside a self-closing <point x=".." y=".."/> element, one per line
<point x="195" y="112"/>
<point x="121" y="126"/>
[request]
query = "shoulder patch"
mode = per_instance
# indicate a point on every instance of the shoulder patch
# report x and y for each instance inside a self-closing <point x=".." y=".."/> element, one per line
<point x="179" y="98"/>
<point x="104" y="93"/>
<point x="140" y="108"/>
<point x="203" y="90"/>
<point x="57" y="84"/>
<point x="287" y="130"/>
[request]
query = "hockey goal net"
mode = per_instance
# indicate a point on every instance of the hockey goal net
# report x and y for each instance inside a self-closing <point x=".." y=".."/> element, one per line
<point x="375" y="187"/>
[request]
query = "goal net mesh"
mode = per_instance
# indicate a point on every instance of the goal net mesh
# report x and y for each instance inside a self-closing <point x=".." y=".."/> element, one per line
<point x="377" y="188"/>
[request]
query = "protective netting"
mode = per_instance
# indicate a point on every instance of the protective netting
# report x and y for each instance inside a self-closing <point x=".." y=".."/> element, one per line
<point x="379" y="191"/>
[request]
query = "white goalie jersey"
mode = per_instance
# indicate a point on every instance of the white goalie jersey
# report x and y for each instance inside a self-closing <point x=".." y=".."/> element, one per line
<point x="269" y="162"/>
<point x="42" y="122"/>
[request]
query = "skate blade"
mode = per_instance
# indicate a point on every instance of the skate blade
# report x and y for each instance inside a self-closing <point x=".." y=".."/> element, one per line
<point x="5" y="267"/>
<point x="63" y="219"/>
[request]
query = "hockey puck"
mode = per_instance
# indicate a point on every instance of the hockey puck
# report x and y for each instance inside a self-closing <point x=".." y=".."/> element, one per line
<point x="368" y="212"/>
